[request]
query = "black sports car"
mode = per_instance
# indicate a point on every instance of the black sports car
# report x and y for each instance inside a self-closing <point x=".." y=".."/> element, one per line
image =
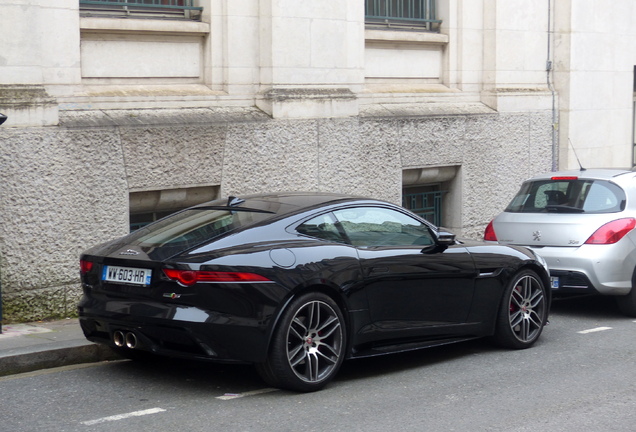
<point x="297" y="282"/>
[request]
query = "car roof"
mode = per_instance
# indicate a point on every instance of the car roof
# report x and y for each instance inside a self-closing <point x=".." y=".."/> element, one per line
<point x="281" y="203"/>
<point x="594" y="174"/>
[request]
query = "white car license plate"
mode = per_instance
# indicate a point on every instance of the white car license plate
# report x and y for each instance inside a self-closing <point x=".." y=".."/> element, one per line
<point x="127" y="275"/>
<point x="555" y="282"/>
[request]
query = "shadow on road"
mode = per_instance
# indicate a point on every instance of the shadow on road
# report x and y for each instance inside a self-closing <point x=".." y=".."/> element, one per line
<point x="194" y="377"/>
<point x="588" y="306"/>
<point x="395" y="363"/>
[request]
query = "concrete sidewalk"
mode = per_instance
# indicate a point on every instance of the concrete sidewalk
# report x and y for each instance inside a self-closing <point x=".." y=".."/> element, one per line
<point x="41" y="345"/>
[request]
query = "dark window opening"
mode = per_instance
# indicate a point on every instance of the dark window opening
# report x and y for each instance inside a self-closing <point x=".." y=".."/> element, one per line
<point x="425" y="201"/>
<point x="150" y="206"/>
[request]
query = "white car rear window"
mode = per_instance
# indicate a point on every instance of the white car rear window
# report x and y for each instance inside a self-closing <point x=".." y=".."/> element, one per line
<point x="568" y="196"/>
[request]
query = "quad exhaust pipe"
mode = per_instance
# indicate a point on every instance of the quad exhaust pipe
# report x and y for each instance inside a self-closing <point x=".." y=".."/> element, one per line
<point x="125" y="339"/>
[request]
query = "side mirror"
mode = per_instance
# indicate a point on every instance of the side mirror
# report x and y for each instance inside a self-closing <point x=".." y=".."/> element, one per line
<point x="3" y="118"/>
<point x="445" y="238"/>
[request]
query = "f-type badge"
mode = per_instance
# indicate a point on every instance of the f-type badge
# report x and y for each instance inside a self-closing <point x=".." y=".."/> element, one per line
<point x="537" y="235"/>
<point x="129" y="252"/>
<point x="172" y="295"/>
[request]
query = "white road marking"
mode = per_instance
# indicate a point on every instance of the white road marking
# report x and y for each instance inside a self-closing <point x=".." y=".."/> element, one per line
<point x="594" y="330"/>
<point x="124" y="416"/>
<point x="230" y="396"/>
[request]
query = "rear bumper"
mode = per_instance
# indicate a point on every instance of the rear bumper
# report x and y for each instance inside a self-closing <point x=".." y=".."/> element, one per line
<point x="218" y="338"/>
<point x="570" y="282"/>
<point x="603" y="269"/>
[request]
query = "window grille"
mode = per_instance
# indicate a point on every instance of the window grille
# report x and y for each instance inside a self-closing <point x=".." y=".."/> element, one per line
<point x="417" y="14"/>
<point x="170" y="9"/>
<point x="427" y="205"/>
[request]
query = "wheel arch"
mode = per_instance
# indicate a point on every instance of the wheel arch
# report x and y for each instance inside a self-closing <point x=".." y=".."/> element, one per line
<point x="332" y="292"/>
<point x="539" y="271"/>
<point x="544" y="276"/>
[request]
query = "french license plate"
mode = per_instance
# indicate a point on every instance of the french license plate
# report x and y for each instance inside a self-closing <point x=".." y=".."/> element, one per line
<point x="555" y="282"/>
<point x="127" y="275"/>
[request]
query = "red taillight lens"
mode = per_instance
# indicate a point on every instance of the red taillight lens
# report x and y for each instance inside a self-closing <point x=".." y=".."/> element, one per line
<point x="190" y="277"/>
<point x="489" y="232"/>
<point x="85" y="266"/>
<point x="612" y="232"/>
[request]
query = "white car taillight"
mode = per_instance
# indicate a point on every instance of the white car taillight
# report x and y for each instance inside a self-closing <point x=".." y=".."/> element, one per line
<point x="612" y="232"/>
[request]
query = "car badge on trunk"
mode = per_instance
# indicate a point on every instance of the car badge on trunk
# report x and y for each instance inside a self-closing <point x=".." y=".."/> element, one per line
<point x="129" y="252"/>
<point x="537" y="235"/>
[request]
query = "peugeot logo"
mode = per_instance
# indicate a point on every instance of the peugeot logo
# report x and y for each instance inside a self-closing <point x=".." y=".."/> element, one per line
<point x="537" y="235"/>
<point x="129" y="252"/>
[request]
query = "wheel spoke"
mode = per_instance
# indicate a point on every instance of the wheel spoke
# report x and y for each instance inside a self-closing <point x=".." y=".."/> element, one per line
<point x="314" y="315"/>
<point x="327" y="359"/>
<point x="527" y="287"/>
<point x="313" y="367"/>
<point x="300" y="324"/>
<point x="516" y="298"/>
<point x="296" y="355"/>
<point x="329" y="322"/>
<point x="535" y="319"/>
<point x="536" y="298"/>
<point x="515" y="319"/>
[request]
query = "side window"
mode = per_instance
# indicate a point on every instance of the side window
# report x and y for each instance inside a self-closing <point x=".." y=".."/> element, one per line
<point x="376" y="226"/>
<point x="322" y="227"/>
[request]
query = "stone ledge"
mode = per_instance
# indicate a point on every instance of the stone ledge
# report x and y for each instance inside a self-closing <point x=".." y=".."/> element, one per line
<point x="159" y="117"/>
<point x="309" y="102"/>
<point x="372" y="35"/>
<point x="424" y="109"/>
<point x="121" y="25"/>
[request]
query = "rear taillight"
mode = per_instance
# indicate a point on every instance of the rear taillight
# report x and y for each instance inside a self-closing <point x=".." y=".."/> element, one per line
<point x="190" y="277"/>
<point x="612" y="232"/>
<point x="85" y="266"/>
<point x="489" y="232"/>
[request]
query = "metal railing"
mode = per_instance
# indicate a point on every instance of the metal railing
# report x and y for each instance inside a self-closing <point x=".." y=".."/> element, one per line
<point x="425" y="204"/>
<point x="178" y="9"/>
<point x="402" y="13"/>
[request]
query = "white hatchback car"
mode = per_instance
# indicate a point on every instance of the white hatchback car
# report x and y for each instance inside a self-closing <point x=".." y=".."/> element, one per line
<point x="582" y="223"/>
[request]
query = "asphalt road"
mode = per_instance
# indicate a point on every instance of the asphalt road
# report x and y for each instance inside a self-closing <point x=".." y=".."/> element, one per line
<point x="581" y="376"/>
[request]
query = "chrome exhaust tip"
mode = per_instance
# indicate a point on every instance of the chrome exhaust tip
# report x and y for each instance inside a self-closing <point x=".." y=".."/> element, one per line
<point x="119" y="339"/>
<point x="131" y="340"/>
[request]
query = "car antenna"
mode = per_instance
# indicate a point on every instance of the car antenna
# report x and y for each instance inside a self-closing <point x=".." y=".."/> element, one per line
<point x="576" y="156"/>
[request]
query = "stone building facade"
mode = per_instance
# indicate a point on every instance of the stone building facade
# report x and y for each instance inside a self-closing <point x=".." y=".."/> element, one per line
<point x="119" y="115"/>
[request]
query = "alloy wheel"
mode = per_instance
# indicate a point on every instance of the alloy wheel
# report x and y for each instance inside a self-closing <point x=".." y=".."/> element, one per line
<point x="314" y="341"/>
<point x="527" y="308"/>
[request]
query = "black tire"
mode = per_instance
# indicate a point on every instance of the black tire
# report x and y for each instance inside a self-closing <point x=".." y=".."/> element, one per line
<point x="523" y="311"/>
<point x="308" y="345"/>
<point x="627" y="303"/>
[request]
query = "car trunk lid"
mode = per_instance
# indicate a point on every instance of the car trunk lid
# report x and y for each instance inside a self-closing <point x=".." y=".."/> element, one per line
<point x="551" y="229"/>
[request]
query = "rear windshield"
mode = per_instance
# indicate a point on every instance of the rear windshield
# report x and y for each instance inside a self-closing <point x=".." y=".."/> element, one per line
<point x="189" y="228"/>
<point x="568" y="196"/>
